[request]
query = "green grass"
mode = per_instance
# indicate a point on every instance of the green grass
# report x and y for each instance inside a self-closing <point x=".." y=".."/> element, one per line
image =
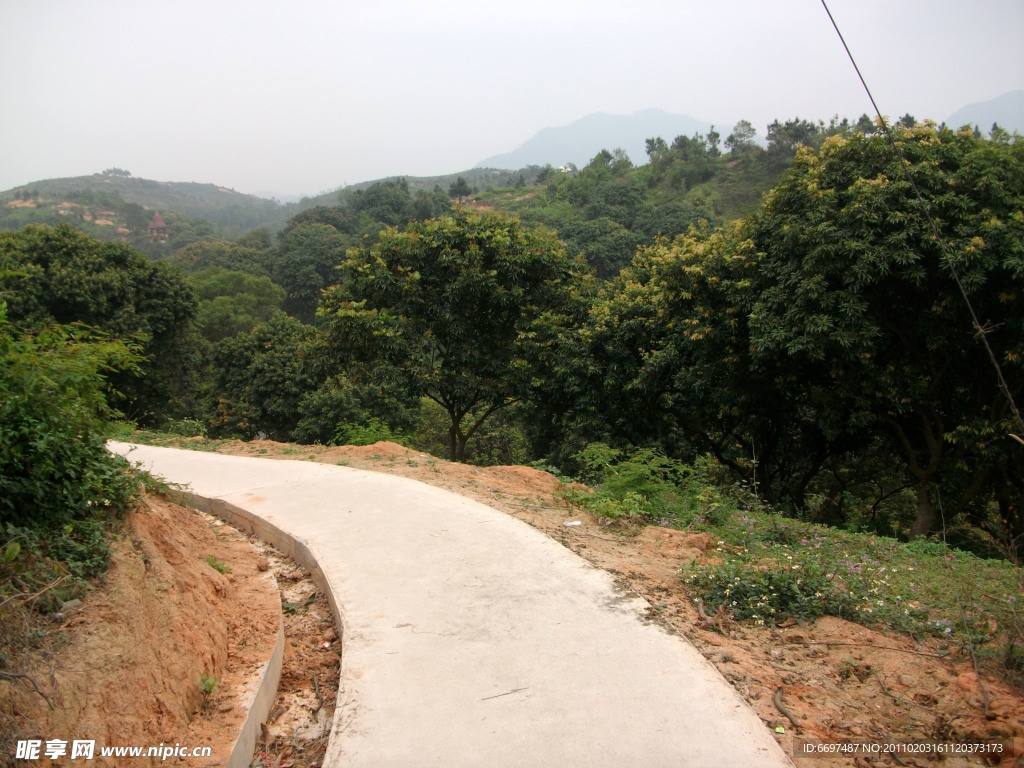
<point x="167" y="440"/>
<point x="767" y="568"/>
<point x="218" y="565"/>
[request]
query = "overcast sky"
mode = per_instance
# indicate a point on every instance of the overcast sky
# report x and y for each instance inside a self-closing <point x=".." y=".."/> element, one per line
<point x="309" y="95"/>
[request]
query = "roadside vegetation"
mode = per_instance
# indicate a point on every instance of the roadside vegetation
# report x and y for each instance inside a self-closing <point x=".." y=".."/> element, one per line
<point x="62" y="495"/>
<point x="773" y="570"/>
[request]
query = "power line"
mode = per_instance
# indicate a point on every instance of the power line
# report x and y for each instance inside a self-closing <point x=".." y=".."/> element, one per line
<point x="981" y="333"/>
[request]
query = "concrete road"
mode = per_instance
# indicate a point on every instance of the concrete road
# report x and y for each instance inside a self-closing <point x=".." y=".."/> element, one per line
<point x="472" y="639"/>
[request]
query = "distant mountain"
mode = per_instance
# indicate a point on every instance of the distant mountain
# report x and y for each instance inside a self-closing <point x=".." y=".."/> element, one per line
<point x="480" y="179"/>
<point x="1007" y="110"/>
<point x="267" y="194"/>
<point x="578" y="142"/>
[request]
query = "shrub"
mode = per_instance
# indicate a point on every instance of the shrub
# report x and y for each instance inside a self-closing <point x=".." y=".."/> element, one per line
<point x="647" y="486"/>
<point x="374" y="431"/>
<point x="82" y="546"/>
<point x="54" y="466"/>
<point x="769" y="592"/>
<point x="185" y="427"/>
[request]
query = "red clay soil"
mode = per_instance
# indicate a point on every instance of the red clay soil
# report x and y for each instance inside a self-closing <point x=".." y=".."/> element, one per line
<point x="124" y="669"/>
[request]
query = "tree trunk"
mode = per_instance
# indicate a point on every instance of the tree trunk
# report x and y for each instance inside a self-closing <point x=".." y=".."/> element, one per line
<point x="456" y="443"/>
<point x="452" y="443"/>
<point x="925" y="513"/>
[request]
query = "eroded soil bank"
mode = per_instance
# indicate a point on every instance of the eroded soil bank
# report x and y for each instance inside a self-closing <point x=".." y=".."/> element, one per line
<point x="126" y="667"/>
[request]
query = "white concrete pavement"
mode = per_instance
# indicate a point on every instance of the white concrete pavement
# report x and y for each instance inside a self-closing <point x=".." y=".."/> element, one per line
<point x="470" y="638"/>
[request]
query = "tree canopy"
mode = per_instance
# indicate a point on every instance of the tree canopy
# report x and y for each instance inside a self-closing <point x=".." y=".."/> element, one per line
<point x="231" y="302"/>
<point x="54" y="466"/>
<point x="822" y="345"/>
<point x="863" y="288"/>
<point x="456" y="309"/>
<point x="58" y="276"/>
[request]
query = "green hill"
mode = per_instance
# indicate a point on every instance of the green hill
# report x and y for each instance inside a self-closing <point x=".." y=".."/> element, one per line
<point x="222" y="207"/>
<point x="118" y="206"/>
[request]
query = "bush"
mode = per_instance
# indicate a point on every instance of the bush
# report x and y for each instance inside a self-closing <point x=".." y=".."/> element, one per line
<point x="768" y="593"/>
<point x="342" y="412"/>
<point x="54" y="466"/>
<point x="646" y="486"/>
<point x="374" y="431"/>
<point x="82" y="546"/>
<point x="185" y="427"/>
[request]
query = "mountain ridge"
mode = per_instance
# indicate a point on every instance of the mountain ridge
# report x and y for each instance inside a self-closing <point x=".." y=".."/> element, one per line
<point x="580" y="140"/>
<point x="1006" y="109"/>
<point x="576" y="143"/>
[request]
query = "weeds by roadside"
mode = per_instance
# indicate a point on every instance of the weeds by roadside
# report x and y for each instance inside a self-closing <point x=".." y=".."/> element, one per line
<point x="768" y="569"/>
<point x="646" y="487"/>
<point x="218" y="565"/>
<point x="128" y="433"/>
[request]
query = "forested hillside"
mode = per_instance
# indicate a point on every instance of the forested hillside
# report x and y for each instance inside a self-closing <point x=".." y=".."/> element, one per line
<point x="791" y="314"/>
<point x="115" y="206"/>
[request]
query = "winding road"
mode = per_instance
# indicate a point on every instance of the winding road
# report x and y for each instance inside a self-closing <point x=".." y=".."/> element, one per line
<point x="472" y="639"/>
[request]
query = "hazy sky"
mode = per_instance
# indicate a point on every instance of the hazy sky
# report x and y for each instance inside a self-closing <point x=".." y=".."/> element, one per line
<point x="308" y="95"/>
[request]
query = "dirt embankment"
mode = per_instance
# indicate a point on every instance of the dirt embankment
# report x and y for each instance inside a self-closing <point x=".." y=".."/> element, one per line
<point x="125" y="668"/>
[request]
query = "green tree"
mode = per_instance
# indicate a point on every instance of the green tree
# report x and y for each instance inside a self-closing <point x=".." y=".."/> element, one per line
<point x="386" y="203"/>
<point x="741" y="140"/>
<point x="342" y="217"/>
<point x="260" y="377"/>
<point x="59" y="276"/>
<point x="197" y="257"/>
<point x="232" y="302"/>
<point x="458" y="309"/>
<point x="257" y="239"/>
<point x="606" y="245"/>
<point x="308" y="256"/>
<point x="430" y="205"/>
<point x="858" y="291"/>
<point x="54" y="465"/>
<point x="459" y="189"/>
<point x="865" y="124"/>
<point x="664" y="360"/>
<point x="136" y="218"/>
<point x="183" y="230"/>
<point x="784" y="138"/>
<point x="714" y="137"/>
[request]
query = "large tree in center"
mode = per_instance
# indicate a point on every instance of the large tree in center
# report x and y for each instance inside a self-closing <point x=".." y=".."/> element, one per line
<point x="458" y="309"/>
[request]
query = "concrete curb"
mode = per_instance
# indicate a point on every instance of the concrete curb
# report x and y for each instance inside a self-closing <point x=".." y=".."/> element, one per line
<point x="263" y="699"/>
<point x="259" y="707"/>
